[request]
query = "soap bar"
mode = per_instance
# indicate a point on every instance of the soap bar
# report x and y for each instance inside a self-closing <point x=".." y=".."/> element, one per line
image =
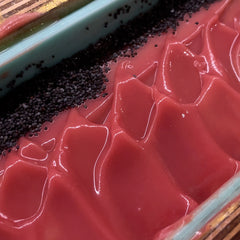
<point x="135" y="161"/>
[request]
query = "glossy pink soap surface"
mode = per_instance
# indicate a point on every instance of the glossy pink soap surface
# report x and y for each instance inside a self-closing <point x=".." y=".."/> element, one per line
<point x="133" y="163"/>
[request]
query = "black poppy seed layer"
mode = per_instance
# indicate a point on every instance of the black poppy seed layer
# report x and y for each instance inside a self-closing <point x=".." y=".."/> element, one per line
<point x="74" y="80"/>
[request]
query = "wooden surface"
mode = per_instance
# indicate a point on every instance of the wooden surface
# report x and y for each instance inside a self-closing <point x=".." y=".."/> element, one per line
<point x="224" y="226"/>
<point x="10" y="8"/>
<point x="21" y="18"/>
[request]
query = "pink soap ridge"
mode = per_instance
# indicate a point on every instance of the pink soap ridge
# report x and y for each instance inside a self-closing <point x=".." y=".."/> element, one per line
<point x="15" y="22"/>
<point x="133" y="163"/>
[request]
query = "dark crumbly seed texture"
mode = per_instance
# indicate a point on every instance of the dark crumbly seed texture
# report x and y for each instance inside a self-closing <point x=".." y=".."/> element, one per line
<point x="81" y="77"/>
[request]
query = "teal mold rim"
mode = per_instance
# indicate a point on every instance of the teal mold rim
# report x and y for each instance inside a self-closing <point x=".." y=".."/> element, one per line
<point x="64" y="37"/>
